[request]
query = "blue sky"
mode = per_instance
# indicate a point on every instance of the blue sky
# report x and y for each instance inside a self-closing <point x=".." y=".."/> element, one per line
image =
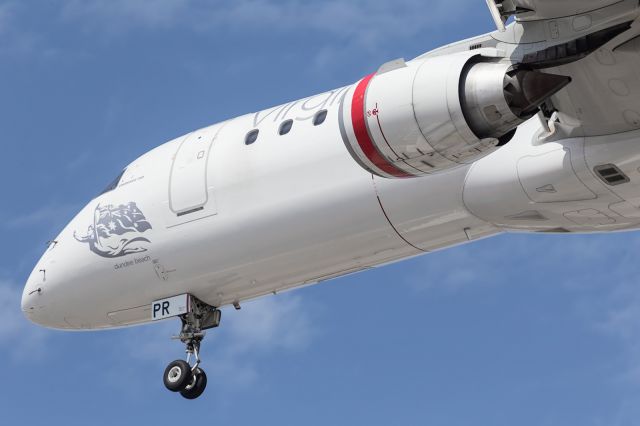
<point x="527" y="330"/>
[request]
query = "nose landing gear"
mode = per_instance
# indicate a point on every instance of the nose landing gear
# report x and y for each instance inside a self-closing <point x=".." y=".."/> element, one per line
<point x="180" y="376"/>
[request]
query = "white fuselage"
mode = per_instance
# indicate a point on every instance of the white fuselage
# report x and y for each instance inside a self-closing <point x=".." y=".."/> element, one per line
<point x="226" y="221"/>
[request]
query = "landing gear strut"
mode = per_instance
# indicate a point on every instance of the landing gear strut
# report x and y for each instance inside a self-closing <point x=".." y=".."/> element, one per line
<point x="180" y="375"/>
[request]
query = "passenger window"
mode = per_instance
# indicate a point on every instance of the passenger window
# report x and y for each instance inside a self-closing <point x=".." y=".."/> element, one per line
<point x="319" y="118"/>
<point x="285" y="127"/>
<point x="251" y="137"/>
<point x="114" y="184"/>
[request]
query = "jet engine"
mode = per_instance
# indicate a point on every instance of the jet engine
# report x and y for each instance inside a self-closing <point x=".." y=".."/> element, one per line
<point x="422" y="117"/>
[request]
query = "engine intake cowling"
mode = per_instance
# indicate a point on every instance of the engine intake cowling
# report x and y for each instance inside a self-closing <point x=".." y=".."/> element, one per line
<point x="441" y="112"/>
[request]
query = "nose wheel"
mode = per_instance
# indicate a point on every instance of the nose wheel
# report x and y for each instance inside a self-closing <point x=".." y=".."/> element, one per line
<point x="196" y="386"/>
<point x="177" y="375"/>
<point x="185" y="376"/>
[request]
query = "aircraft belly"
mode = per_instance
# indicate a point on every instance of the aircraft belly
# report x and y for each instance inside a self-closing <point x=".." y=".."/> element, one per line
<point x="429" y="212"/>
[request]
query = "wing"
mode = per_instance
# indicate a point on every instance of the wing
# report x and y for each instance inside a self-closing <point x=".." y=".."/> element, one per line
<point x="595" y="42"/>
<point x="532" y="10"/>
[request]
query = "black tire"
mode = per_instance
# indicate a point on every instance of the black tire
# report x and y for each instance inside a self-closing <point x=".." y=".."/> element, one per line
<point x="196" y="386"/>
<point x="177" y="375"/>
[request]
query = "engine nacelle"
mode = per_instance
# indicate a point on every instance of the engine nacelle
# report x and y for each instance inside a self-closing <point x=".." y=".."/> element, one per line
<point x="409" y="120"/>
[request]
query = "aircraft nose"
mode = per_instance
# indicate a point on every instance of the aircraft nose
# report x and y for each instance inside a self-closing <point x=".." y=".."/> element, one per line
<point x="41" y="302"/>
<point x="32" y="303"/>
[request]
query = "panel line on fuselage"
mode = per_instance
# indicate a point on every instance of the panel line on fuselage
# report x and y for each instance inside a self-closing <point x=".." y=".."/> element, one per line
<point x="389" y="220"/>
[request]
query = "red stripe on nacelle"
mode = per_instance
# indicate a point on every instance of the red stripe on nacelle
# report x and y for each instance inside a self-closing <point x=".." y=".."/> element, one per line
<point x="358" y="119"/>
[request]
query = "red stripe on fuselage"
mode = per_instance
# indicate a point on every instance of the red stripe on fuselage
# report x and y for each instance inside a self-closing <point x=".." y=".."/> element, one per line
<point x="358" y="119"/>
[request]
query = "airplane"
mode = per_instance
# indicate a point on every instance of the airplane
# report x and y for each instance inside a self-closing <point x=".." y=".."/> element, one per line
<point x="533" y="128"/>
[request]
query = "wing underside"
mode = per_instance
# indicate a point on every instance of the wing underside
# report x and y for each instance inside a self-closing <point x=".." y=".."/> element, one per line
<point x="595" y="42"/>
<point x="533" y="10"/>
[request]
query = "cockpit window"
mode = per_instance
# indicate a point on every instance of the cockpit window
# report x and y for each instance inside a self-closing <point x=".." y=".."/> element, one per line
<point x="113" y="185"/>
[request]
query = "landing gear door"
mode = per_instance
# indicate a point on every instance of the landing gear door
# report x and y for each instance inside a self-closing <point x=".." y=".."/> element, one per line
<point x="190" y="191"/>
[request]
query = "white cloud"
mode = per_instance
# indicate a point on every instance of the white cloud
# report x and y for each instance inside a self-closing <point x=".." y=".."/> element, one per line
<point x="22" y="339"/>
<point x="618" y="315"/>
<point x="484" y="263"/>
<point x="341" y="28"/>
<point x="607" y="292"/>
<point x="456" y="269"/>
<point x="360" y="22"/>
<point x="10" y="323"/>
<point x="6" y="14"/>
<point x="269" y="324"/>
<point x="365" y="21"/>
<point x="115" y="14"/>
<point x="15" y="37"/>
<point x="603" y="288"/>
<point x="53" y="215"/>
<point x="265" y="326"/>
